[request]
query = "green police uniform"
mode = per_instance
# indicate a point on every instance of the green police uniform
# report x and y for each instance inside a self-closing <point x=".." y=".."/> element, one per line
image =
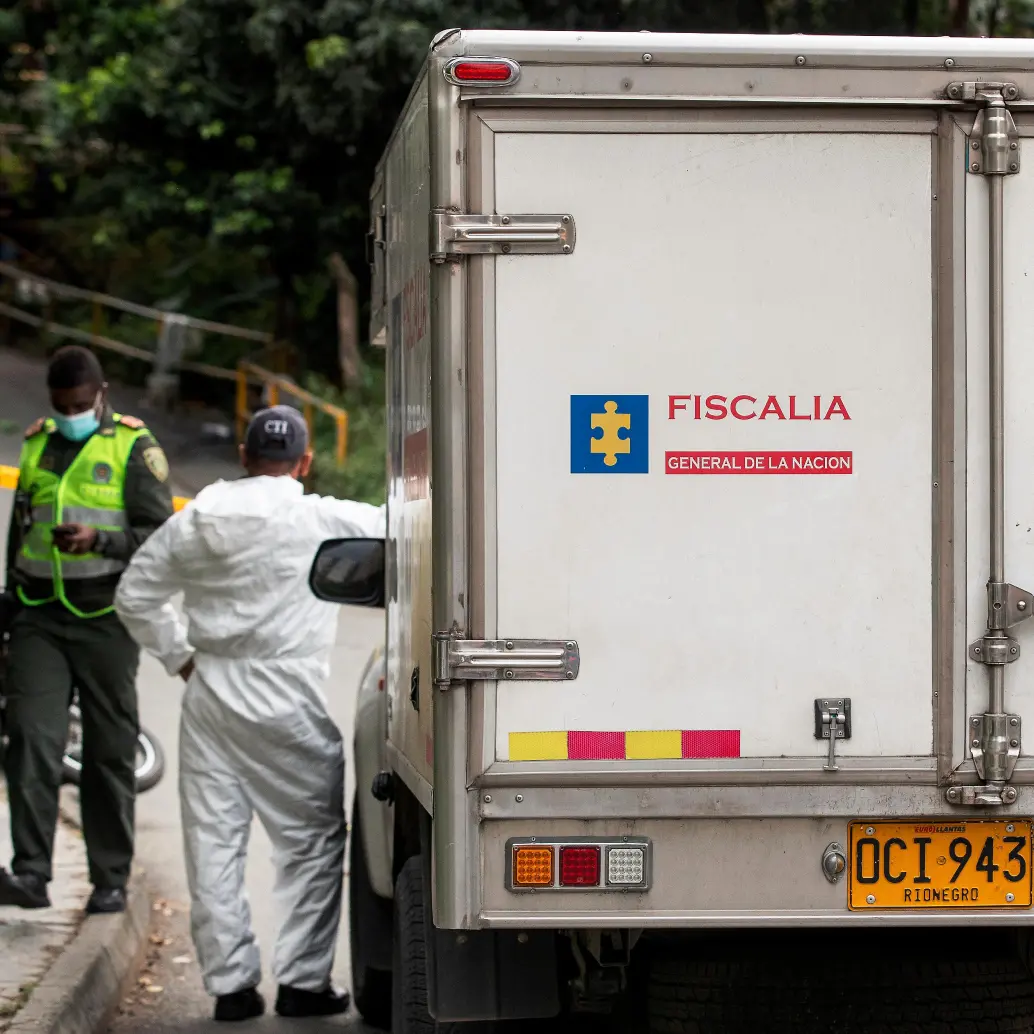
<point x="66" y="635"/>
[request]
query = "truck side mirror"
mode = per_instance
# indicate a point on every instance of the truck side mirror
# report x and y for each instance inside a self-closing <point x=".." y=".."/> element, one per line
<point x="349" y="571"/>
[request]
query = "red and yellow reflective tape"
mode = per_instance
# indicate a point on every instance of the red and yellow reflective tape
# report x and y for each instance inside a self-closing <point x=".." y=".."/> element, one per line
<point x="646" y="745"/>
<point x="9" y="480"/>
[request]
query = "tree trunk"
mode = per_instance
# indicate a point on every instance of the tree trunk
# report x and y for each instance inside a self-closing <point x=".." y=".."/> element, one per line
<point x="347" y="320"/>
<point x="752" y="16"/>
<point x="285" y="323"/>
<point x="911" y="17"/>
<point x="958" y="15"/>
<point x="992" y="20"/>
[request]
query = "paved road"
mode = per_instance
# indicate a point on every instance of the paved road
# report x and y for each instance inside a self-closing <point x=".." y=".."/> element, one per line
<point x="168" y="996"/>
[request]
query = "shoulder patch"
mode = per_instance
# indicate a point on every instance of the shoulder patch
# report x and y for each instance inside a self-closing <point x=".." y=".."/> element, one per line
<point x="34" y="428"/>
<point x="156" y="462"/>
<point x="134" y="423"/>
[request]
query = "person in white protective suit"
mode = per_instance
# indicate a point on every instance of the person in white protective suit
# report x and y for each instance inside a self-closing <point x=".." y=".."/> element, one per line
<point x="255" y="735"/>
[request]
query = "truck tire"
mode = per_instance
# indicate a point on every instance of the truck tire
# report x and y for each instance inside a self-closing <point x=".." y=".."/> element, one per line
<point x="845" y="991"/>
<point x="409" y="1013"/>
<point x="370" y="931"/>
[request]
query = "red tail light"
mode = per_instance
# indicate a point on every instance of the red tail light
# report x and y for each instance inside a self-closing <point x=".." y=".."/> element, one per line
<point x="480" y="71"/>
<point x="579" y="866"/>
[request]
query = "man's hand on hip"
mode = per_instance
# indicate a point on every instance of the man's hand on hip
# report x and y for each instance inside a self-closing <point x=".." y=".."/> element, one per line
<point x="75" y="538"/>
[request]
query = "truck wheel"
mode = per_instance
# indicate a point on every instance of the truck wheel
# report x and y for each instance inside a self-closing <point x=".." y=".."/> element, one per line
<point x="369" y="930"/>
<point x="409" y="1013"/>
<point x="847" y="990"/>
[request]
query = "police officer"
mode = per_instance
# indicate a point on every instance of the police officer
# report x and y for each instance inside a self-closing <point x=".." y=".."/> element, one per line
<point x="92" y="486"/>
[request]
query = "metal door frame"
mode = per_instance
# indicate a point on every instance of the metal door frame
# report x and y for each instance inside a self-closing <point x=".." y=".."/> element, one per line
<point x="947" y="412"/>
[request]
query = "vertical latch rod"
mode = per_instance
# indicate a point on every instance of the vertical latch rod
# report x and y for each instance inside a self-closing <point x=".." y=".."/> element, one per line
<point x="994" y="152"/>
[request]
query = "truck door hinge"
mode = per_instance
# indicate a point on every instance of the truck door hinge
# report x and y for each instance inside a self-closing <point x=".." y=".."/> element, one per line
<point x="995" y="745"/>
<point x="832" y="722"/>
<point x="496" y="660"/>
<point x="1007" y="606"/>
<point x="994" y="142"/>
<point x="994" y="738"/>
<point x="981" y="796"/>
<point x="454" y="235"/>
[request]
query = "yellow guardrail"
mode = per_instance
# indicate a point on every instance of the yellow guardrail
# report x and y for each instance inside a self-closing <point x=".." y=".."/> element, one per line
<point x="9" y="480"/>
<point x="249" y="372"/>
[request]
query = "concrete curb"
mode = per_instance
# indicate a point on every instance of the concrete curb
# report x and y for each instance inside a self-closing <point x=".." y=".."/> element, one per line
<point x="82" y="989"/>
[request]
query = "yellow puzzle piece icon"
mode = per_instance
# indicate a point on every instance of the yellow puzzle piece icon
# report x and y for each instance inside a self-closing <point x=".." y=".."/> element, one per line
<point x="610" y="443"/>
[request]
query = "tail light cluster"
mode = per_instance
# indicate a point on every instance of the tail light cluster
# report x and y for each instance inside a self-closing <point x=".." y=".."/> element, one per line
<point x="588" y="863"/>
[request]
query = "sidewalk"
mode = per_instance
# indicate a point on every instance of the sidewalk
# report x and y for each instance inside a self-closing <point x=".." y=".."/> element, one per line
<point x="61" y="971"/>
<point x="31" y="941"/>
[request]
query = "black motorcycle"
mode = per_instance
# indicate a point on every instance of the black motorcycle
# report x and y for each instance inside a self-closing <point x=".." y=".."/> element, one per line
<point x="150" y="758"/>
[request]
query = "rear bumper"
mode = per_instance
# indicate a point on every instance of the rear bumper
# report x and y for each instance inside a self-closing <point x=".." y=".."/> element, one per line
<point x="708" y="873"/>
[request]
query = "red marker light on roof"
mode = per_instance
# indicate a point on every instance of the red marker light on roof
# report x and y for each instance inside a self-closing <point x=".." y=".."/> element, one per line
<point x="482" y="71"/>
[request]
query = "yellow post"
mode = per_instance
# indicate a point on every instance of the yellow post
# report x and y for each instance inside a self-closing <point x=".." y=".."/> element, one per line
<point x="308" y="423"/>
<point x="97" y="323"/>
<point x="242" y="403"/>
<point x="274" y="393"/>
<point x="342" y="438"/>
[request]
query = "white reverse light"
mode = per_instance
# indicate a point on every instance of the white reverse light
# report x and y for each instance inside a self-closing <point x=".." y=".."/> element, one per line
<point x="626" y="866"/>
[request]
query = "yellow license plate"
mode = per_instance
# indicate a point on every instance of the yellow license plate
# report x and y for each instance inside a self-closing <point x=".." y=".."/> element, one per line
<point x="939" y="864"/>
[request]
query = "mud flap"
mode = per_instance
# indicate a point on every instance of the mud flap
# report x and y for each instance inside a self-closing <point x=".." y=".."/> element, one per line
<point x="488" y="974"/>
<point x="492" y="975"/>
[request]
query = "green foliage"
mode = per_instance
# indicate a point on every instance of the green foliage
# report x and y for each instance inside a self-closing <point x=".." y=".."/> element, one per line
<point x="362" y="476"/>
<point x="255" y="124"/>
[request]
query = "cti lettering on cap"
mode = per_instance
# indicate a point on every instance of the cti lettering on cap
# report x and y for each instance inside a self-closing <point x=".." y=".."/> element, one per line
<point x="278" y="433"/>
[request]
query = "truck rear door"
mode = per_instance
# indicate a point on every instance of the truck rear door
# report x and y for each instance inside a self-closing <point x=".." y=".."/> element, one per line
<point x="715" y="439"/>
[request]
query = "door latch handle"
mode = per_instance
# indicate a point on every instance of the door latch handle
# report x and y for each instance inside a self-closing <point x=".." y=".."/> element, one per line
<point x="832" y="722"/>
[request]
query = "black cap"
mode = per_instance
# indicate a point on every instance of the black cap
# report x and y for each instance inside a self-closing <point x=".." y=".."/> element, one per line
<point x="277" y="433"/>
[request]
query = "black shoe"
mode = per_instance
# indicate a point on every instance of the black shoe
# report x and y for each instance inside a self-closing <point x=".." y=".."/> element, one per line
<point x="241" y="1005"/>
<point x="26" y="890"/>
<point x="293" y="1002"/>
<point x="105" y="900"/>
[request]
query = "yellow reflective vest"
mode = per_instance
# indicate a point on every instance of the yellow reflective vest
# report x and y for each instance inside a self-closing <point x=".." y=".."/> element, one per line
<point x="90" y="493"/>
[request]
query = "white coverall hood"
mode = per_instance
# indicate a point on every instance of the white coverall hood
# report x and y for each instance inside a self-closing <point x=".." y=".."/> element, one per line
<point x="246" y="589"/>
<point x="242" y="552"/>
<point x="255" y="736"/>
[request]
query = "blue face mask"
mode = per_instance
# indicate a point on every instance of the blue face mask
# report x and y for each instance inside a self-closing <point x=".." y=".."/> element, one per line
<point x="79" y="427"/>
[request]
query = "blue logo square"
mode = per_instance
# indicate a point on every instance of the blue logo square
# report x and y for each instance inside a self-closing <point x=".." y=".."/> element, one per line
<point x="610" y="434"/>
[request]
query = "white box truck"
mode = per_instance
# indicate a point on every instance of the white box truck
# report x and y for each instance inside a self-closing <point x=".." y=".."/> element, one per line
<point x="711" y="488"/>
